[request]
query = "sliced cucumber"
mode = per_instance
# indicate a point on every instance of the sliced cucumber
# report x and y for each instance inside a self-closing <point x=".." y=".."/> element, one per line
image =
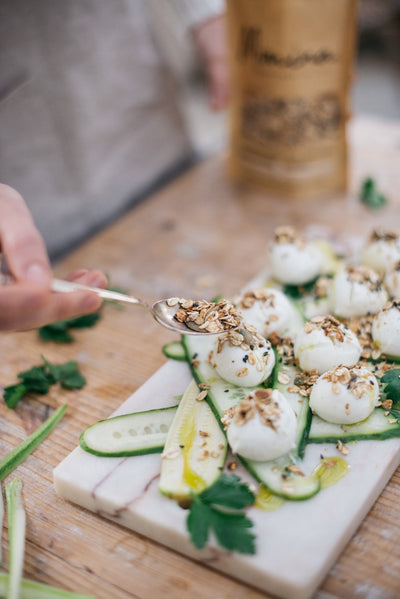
<point x="174" y="351"/>
<point x="130" y="434"/>
<point x="377" y="426"/>
<point x="195" y="449"/>
<point x="277" y="477"/>
<point x="222" y="395"/>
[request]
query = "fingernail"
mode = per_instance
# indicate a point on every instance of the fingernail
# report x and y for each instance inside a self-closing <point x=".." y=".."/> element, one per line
<point x="37" y="274"/>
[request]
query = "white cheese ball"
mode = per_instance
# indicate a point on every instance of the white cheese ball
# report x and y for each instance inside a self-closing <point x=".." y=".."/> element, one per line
<point x="345" y="395"/>
<point x="381" y="252"/>
<point x="392" y="280"/>
<point x="324" y="343"/>
<point x="293" y="265"/>
<point x="386" y="329"/>
<point x="269" y="310"/>
<point x="243" y="357"/>
<point x="356" y="291"/>
<point x="293" y="261"/>
<point x="263" y="426"/>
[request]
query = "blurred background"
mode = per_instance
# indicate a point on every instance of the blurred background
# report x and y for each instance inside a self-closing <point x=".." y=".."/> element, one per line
<point x="376" y="88"/>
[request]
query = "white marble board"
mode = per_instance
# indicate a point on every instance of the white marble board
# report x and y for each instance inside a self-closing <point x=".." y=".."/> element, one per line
<point x="296" y="544"/>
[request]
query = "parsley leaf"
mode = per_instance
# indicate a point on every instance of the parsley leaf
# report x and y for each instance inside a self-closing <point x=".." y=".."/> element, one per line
<point x="298" y="291"/>
<point x="13" y="393"/>
<point x="39" y="379"/>
<point x="212" y="510"/>
<point x="230" y="492"/>
<point x="391" y="382"/>
<point x="59" y="331"/>
<point x="370" y="196"/>
<point x="67" y="374"/>
<point x="198" y="523"/>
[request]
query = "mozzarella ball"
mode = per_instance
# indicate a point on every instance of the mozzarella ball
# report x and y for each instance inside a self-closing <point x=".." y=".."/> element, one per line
<point x="386" y="329"/>
<point x="345" y="395"/>
<point x="243" y="357"/>
<point x="381" y="251"/>
<point x="263" y="426"/>
<point x="269" y="311"/>
<point x="392" y="280"/>
<point x="324" y="343"/>
<point x="293" y="260"/>
<point x="356" y="291"/>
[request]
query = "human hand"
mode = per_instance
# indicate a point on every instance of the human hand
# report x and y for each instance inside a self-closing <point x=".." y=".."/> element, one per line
<point x="29" y="302"/>
<point x="211" y="42"/>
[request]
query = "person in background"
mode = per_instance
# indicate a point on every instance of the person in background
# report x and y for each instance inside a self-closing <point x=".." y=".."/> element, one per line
<point x="89" y="124"/>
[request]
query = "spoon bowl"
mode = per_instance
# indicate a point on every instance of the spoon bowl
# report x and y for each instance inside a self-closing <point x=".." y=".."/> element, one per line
<point x="161" y="311"/>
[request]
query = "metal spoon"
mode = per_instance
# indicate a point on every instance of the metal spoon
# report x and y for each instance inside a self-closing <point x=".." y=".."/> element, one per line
<point x="161" y="311"/>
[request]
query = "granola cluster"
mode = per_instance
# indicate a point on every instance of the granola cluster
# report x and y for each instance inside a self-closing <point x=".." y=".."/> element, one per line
<point x="259" y="402"/>
<point x="365" y="276"/>
<point x="353" y="378"/>
<point x="388" y="236"/>
<point x="250" y="297"/>
<point x="289" y="235"/>
<point x="206" y="316"/>
<point x="303" y="383"/>
<point x="330" y="325"/>
<point x="284" y="347"/>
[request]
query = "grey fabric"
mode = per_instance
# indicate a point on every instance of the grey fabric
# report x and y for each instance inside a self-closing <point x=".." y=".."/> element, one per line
<point x="88" y="112"/>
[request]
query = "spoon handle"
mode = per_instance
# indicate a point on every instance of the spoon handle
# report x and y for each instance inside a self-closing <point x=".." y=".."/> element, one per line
<point x="67" y="286"/>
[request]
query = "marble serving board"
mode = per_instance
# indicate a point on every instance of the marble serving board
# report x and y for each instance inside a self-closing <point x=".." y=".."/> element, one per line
<point x="296" y="544"/>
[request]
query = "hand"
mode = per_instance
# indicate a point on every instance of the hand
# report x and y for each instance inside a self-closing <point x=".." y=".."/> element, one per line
<point x="211" y="42"/>
<point x="29" y="302"/>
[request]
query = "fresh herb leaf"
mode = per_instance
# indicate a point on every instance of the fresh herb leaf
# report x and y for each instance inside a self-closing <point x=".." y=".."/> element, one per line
<point x="391" y="389"/>
<point x="59" y="331"/>
<point x="83" y="322"/>
<point x="73" y="381"/>
<point x="68" y="374"/>
<point x="40" y="378"/>
<point x="198" y="523"/>
<point x="232" y="531"/>
<point x="228" y="491"/>
<point x="298" y="291"/>
<point x="13" y="393"/>
<point x="391" y="381"/>
<point x="370" y="195"/>
<point x="37" y="379"/>
<point x="212" y="510"/>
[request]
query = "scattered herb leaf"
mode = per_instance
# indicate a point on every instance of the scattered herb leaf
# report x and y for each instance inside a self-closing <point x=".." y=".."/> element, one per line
<point x="213" y="510"/>
<point x="370" y="195"/>
<point x="391" y="382"/>
<point x="298" y="291"/>
<point x="59" y="331"/>
<point x="229" y="491"/>
<point x="40" y="378"/>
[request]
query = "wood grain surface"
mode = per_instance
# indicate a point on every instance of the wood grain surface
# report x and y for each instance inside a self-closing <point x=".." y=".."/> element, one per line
<point x="197" y="237"/>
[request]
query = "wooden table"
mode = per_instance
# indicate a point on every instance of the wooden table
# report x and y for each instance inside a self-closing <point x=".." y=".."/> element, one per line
<point x="198" y="237"/>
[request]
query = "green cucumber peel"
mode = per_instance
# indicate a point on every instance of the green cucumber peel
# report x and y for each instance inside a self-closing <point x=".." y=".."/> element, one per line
<point x="16" y="456"/>
<point x="16" y="533"/>
<point x="126" y="445"/>
<point x="174" y="351"/>
<point x="31" y="589"/>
